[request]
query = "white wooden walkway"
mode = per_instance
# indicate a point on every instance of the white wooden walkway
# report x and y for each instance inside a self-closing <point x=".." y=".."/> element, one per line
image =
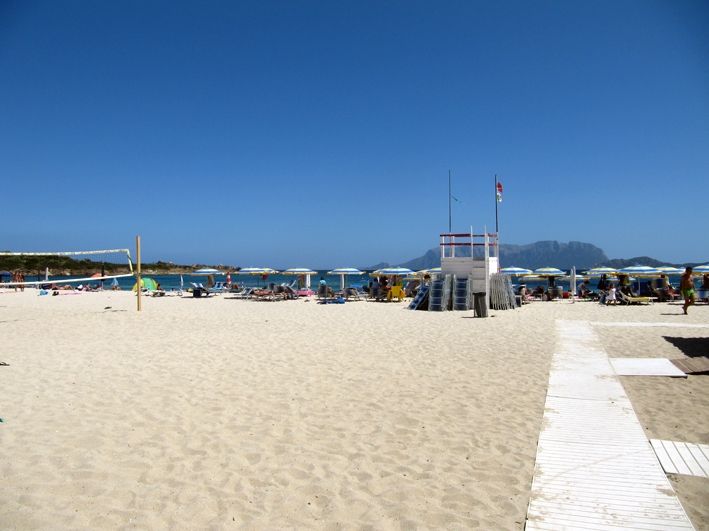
<point x="595" y="468"/>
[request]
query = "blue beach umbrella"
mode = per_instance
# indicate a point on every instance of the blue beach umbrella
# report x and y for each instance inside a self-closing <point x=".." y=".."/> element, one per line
<point x="343" y="272"/>
<point x="515" y="271"/>
<point x="700" y="270"/>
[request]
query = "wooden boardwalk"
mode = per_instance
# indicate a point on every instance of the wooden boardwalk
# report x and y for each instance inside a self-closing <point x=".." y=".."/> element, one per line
<point x="595" y="468"/>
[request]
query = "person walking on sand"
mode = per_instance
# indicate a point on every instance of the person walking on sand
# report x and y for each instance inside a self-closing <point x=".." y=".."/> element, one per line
<point x="686" y="287"/>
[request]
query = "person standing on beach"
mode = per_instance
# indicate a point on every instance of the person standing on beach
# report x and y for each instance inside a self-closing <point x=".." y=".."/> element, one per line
<point x="686" y="287"/>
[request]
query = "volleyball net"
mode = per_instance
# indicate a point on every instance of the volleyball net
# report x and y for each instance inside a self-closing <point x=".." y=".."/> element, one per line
<point x="43" y="262"/>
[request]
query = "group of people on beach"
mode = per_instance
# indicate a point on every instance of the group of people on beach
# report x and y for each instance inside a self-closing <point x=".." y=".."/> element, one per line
<point x="608" y="292"/>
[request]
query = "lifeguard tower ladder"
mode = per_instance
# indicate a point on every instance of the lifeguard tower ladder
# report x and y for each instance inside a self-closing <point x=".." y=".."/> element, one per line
<point x="475" y="256"/>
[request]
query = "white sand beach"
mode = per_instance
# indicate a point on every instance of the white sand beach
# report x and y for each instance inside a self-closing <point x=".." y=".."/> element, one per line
<point x="216" y="413"/>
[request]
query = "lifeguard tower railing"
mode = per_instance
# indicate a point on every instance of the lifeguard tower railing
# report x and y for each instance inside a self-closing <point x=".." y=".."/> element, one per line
<point x="473" y="255"/>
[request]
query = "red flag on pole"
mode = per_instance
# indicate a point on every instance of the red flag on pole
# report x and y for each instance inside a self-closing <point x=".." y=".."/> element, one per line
<point x="498" y="193"/>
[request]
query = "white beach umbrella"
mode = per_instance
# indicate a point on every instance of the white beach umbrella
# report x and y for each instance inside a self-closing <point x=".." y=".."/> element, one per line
<point x="700" y="270"/>
<point x="301" y="271"/>
<point x="531" y="278"/>
<point x="206" y="271"/>
<point x="515" y="271"/>
<point x="256" y="271"/>
<point x="598" y="271"/>
<point x="343" y="272"/>
<point x="391" y="271"/>
<point x="431" y="271"/>
<point x="669" y="270"/>
<point x="639" y="270"/>
<point x="549" y="272"/>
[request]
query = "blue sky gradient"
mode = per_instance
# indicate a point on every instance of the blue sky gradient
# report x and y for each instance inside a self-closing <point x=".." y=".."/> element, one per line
<point x="320" y="134"/>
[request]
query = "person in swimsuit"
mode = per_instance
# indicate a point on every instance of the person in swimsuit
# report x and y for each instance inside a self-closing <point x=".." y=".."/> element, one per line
<point x="686" y="286"/>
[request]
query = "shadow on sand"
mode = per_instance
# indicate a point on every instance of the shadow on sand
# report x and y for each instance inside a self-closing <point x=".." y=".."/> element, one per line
<point x="693" y="347"/>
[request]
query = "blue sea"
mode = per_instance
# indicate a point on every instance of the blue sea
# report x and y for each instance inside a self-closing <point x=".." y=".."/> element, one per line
<point x="172" y="282"/>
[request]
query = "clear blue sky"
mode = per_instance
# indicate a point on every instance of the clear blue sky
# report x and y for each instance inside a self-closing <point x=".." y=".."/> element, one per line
<point x="320" y="134"/>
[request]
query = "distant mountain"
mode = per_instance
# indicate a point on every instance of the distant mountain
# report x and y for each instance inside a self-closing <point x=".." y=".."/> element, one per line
<point x="552" y="253"/>
<point x="541" y="254"/>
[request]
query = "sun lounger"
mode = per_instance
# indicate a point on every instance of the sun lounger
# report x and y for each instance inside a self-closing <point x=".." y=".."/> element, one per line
<point x="352" y="294"/>
<point x="264" y="295"/>
<point x="198" y="290"/>
<point x="245" y="293"/>
<point x="627" y="299"/>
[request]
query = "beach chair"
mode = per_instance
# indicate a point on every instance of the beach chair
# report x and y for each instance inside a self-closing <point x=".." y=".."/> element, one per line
<point x="351" y="294"/>
<point x="627" y="299"/>
<point x="198" y="290"/>
<point x="219" y="287"/>
<point x="243" y="294"/>
<point x="325" y="292"/>
<point x="264" y="295"/>
<point x="395" y="292"/>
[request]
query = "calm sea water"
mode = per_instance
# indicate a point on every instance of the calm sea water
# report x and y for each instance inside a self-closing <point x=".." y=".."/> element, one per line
<point x="172" y="282"/>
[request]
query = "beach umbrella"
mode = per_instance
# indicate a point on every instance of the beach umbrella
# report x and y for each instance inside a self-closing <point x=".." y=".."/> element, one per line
<point x="700" y="270"/>
<point x="531" y="278"/>
<point x="256" y="271"/>
<point x="550" y="273"/>
<point x="301" y="271"/>
<point x="391" y="271"/>
<point x="638" y="271"/>
<point x="262" y="272"/>
<point x="206" y="271"/>
<point x="431" y="271"/>
<point x="343" y="272"/>
<point x="515" y="271"/>
<point x="669" y="270"/>
<point x="598" y="271"/>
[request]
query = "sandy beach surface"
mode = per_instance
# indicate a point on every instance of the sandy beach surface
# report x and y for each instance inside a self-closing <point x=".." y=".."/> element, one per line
<point x="218" y="413"/>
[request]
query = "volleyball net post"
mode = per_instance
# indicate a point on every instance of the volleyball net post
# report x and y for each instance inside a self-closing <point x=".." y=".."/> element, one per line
<point x="139" y="284"/>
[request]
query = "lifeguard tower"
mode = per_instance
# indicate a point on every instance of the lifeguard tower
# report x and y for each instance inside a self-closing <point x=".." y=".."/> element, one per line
<point x="470" y="259"/>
